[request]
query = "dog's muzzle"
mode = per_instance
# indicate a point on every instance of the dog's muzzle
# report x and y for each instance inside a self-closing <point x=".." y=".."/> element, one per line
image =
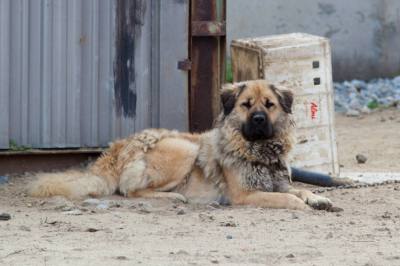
<point x="258" y="127"/>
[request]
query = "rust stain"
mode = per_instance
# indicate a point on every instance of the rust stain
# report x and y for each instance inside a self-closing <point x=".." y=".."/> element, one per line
<point x="129" y="22"/>
<point x="208" y="57"/>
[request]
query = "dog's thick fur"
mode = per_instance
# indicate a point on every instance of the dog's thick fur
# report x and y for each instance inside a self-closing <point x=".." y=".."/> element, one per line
<point x="243" y="159"/>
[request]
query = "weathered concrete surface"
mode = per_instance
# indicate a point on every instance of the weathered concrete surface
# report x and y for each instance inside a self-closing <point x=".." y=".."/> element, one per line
<point x="364" y="34"/>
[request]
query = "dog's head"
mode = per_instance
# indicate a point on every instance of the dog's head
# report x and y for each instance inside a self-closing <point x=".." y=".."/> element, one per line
<point x="261" y="107"/>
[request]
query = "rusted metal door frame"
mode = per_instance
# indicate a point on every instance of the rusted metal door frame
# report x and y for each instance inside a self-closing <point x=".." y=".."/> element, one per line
<point x="207" y="61"/>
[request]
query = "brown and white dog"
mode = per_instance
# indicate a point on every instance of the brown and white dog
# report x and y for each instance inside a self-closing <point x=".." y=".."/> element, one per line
<point x="242" y="159"/>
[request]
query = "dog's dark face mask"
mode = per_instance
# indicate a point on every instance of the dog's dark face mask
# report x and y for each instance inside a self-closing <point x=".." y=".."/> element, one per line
<point x="259" y="107"/>
<point x="258" y="127"/>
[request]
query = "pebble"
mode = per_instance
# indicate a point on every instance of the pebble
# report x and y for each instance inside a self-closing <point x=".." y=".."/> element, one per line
<point x="90" y="202"/>
<point x="229" y="237"/>
<point x="24" y="228"/>
<point x="121" y="258"/>
<point x="361" y="158"/>
<point x="5" y="216"/>
<point x="182" y="252"/>
<point x="181" y="212"/>
<point x="144" y="207"/>
<point x="73" y="212"/>
<point x="228" y="224"/>
<point x="352" y="113"/>
<point x="103" y="206"/>
<point x="290" y="256"/>
<point x="59" y="203"/>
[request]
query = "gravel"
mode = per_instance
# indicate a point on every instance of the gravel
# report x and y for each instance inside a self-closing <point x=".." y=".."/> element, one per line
<point x="357" y="96"/>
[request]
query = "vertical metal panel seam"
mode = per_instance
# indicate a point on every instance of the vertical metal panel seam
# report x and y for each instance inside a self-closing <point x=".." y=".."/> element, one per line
<point x="5" y="29"/>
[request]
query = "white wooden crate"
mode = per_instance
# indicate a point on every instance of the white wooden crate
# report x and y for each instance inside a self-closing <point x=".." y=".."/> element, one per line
<point x="302" y="63"/>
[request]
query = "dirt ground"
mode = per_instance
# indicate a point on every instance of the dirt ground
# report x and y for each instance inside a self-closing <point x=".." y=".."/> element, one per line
<point x="377" y="136"/>
<point x="118" y="231"/>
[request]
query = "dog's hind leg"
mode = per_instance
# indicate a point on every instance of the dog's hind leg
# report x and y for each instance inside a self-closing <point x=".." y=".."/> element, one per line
<point x="147" y="193"/>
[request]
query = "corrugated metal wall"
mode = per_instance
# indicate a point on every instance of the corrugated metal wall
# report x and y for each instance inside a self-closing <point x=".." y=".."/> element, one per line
<point x="80" y="73"/>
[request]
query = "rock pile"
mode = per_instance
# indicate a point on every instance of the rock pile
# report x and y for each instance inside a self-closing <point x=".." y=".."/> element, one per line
<point x="357" y="96"/>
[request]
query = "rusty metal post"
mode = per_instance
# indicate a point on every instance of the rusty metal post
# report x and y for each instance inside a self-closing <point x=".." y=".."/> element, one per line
<point x="207" y="55"/>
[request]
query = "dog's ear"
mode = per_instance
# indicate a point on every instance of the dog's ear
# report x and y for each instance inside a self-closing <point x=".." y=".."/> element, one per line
<point x="285" y="98"/>
<point x="229" y="94"/>
<point x="228" y="98"/>
<point x="286" y="101"/>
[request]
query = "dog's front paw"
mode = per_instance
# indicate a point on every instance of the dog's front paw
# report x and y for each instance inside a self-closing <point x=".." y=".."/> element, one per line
<point x="319" y="202"/>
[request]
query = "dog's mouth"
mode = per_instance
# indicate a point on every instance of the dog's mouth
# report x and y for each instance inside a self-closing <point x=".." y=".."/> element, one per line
<point x="252" y="132"/>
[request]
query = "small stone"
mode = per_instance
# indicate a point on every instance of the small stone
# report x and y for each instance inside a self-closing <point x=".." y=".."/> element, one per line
<point x="228" y="224"/>
<point x="73" y="212"/>
<point x="121" y="258"/>
<point x="206" y="217"/>
<point x="386" y="215"/>
<point x="182" y="252"/>
<point x="5" y="216"/>
<point x="181" y="212"/>
<point x="214" y="261"/>
<point x="103" y="206"/>
<point x="335" y="209"/>
<point x="24" y="228"/>
<point x="59" y="203"/>
<point x="144" y="207"/>
<point x="329" y="235"/>
<point x="361" y="158"/>
<point x="215" y="205"/>
<point x="92" y="230"/>
<point x="229" y="237"/>
<point x="365" y="110"/>
<point x="290" y="256"/>
<point x="54" y="222"/>
<point x="352" y="223"/>
<point x="91" y="202"/>
<point x="352" y="113"/>
<point x="295" y="216"/>
<point x="67" y="208"/>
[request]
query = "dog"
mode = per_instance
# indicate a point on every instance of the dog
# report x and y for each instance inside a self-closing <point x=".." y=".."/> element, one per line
<point x="242" y="160"/>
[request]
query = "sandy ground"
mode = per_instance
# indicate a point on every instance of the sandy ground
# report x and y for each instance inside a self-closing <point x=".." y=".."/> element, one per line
<point x="377" y="136"/>
<point x="118" y="231"/>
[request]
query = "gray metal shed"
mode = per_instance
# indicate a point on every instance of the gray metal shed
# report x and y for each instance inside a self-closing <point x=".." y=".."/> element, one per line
<point x="80" y="73"/>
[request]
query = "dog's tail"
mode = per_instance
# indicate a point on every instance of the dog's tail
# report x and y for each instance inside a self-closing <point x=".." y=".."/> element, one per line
<point x="71" y="184"/>
<point x="101" y="179"/>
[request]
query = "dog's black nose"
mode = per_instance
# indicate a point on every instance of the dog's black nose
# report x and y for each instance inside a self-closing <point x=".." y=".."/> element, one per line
<point x="258" y="118"/>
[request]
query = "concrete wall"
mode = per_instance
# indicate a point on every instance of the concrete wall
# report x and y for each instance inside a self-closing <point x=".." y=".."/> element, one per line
<point x="364" y="34"/>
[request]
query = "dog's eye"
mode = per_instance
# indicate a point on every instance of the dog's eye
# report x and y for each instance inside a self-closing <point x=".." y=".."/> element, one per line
<point x="246" y="104"/>
<point x="269" y="104"/>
